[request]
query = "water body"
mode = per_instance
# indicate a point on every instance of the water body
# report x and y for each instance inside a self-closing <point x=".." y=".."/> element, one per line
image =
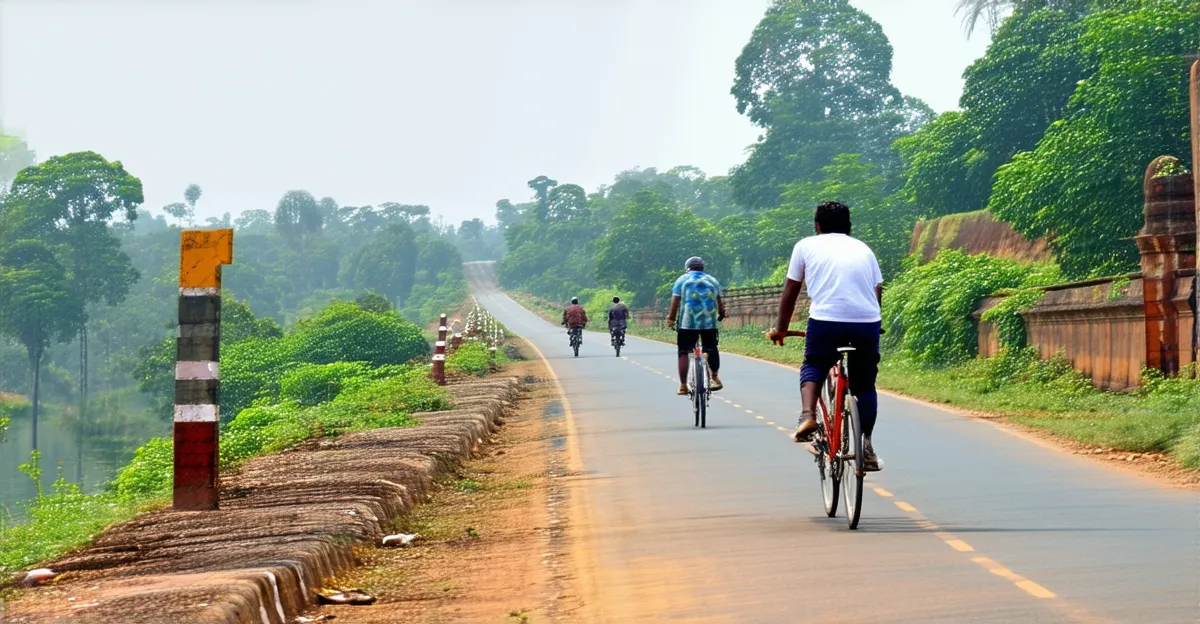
<point x="90" y="458"/>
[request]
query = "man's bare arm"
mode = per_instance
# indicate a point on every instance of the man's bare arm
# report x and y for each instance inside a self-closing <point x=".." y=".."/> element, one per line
<point x="720" y="308"/>
<point x="674" y="310"/>
<point x="787" y="305"/>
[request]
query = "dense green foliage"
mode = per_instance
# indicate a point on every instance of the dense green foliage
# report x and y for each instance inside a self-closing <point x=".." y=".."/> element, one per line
<point x="927" y="310"/>
<point x="295" y="400"/>
<point x="1082" y="183"/>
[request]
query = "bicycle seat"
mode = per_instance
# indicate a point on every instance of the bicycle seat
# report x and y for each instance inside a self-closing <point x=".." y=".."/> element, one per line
<point x="846" y="349"/>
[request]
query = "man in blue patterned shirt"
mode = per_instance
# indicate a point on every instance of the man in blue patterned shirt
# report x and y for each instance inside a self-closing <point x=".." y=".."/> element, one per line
<point x="697" y="296"/>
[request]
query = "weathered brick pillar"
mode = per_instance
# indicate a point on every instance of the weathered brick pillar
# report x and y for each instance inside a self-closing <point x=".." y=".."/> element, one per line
<point x="1167" y="243"/>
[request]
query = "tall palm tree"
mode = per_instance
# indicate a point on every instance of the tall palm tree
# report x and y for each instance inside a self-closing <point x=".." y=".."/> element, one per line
<point x="989" y="11"/>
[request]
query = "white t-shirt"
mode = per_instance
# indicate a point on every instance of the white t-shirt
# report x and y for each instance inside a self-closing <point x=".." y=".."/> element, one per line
<point x="841" y="273"/>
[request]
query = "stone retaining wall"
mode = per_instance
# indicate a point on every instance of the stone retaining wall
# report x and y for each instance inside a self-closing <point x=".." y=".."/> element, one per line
<point x="286" y="523"/>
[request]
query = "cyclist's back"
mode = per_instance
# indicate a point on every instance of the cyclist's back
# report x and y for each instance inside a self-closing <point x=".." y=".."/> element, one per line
<point x="845" y="288"/>
<point x="841" y="273"/>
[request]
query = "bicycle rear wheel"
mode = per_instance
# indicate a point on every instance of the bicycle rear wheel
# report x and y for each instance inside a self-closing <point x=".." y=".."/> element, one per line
<point x="830" y="472"/>
<point x="697" y="390"/>
<point x="852" y="479"/>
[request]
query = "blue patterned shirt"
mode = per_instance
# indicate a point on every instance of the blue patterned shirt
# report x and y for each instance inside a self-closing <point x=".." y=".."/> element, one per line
<point x="697" y="292"/>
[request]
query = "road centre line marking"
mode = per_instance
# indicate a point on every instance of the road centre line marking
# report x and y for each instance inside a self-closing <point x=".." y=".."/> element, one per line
<point x="782" y="429"/>
<point x="749" y="411"/>
<point x="960" y="545"/>
<point x="759" y="417"/>
<point x="769" y="422"/>
<point x="905" y="506"/>
<point x="882" y="492"/>
<point x="1030" y="587"/>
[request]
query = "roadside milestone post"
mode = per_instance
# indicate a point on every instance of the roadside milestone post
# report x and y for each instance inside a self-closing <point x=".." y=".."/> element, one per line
<point x="197" y="385"/>
<point x="439" y="353"/>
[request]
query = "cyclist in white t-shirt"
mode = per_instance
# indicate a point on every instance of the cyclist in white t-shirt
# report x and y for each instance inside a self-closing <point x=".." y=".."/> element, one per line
<point x="845" y="287"/>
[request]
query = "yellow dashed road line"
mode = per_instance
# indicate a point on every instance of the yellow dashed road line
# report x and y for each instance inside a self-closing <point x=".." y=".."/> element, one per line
<point x="905" y="506"/>
<point x="759" y="417"/>
<point x="882" y="492"/>
<point x="1033" y="589"/>
<point x="960" y="545"/>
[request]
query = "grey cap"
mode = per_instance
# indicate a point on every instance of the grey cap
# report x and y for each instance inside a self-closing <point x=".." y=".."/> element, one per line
<point x="693" y="263"/>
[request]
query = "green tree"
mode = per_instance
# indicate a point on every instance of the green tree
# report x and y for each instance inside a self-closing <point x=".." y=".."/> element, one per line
<point x="192" y="195"/>
<point x="256" y="220"/>
<point x="541" y="185"/>
<point x="37" y="307"/>
<point x="816" y="76"/>
<point x="298" y="216"/>
<point x="1082" y="184"/>
<point x="387" y="263"/>
<point x="15" y="155"/>
<point x="68" y="202"/>
<point x="647" y="242"/>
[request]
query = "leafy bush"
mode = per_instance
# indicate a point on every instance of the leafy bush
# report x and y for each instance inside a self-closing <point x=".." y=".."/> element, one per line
<point x="471" y="359"/>
<point x="250" y="371"/>
<point x="1006" y="316"/>
<point x="927" y="310"/>
<point x="409" y="391"/>
<point x="150" y="472"/>
<point x="343" y="332"/>
<point x="312" y="384"/>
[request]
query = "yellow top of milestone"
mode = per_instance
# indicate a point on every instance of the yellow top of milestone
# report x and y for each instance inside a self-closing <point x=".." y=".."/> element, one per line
<point x="201" y="254"/>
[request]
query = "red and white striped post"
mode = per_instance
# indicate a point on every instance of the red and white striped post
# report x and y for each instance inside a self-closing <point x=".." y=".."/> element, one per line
<point x="197" y="380"/>
<point x="456" y="337"/>
<point x="439" y="353"/>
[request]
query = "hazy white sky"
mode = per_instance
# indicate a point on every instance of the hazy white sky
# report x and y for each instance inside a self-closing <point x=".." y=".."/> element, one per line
<point x="450" y="103"/>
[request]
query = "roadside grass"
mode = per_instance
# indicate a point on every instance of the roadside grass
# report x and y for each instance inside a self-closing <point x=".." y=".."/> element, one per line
<point x="1162" y="416"/>
<point x="64" y="519"/>
<point x="295" y="401"/>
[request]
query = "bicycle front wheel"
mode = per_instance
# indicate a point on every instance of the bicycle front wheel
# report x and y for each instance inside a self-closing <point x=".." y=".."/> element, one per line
<point x="698" y="389"/>
<point x="852" y="467"/>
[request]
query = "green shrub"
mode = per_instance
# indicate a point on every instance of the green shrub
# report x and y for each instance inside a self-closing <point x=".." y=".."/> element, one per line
<point x="263" y="430"/>
<point x="471" y="359"/>
<point x="250" y="371"/>
<point x="150" y="472"/>
<point x="1006" y="316"/>
<point x="312" y="384"/>
<point x="410" y="391"/>
<point x="927" y="310"/>
<point x="343" y="332"/>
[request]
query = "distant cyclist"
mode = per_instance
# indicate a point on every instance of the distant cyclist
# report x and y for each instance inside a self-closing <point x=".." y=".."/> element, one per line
<point x="846" y="289"/>
<point x="698" y="296"/>
<point x="575" y="318"/>
<point x="618" y="318"/>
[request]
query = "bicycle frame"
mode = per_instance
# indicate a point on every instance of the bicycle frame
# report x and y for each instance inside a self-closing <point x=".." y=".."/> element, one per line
<point x="833" y="430"/>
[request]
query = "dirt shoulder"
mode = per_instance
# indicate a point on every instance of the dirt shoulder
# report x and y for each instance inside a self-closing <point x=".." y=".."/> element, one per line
<point x="492" y="545"/>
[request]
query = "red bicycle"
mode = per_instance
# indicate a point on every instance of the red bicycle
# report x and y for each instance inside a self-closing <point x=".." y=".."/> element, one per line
<point x="839" y="463"/>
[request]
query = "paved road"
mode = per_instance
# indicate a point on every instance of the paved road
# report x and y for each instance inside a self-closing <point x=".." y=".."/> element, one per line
<point x="969" y="523"/>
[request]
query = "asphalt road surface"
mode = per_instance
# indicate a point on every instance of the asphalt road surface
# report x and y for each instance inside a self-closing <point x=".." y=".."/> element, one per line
<point x="967" y="523"/>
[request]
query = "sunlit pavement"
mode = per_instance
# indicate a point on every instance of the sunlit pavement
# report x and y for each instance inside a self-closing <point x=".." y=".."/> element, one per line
<point x="968" y="522"/>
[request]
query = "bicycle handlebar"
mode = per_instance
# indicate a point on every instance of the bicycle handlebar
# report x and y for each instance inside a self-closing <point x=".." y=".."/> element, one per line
<point x="799" y="333"/>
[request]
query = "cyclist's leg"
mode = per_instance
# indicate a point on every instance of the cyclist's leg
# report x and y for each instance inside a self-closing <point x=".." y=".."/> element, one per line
<point x="864" y="368"/>
<point x="709" y="345"/>
<point x="685" y="341"/>
<point x="820" y="354"/>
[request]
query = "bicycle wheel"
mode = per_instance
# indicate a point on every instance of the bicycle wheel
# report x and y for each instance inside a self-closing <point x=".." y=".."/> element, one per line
<point x="830" y="472"/>
<point x="852" y="468"/>
<point x="697" y="390"/>
<point x="704" y="396"/>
